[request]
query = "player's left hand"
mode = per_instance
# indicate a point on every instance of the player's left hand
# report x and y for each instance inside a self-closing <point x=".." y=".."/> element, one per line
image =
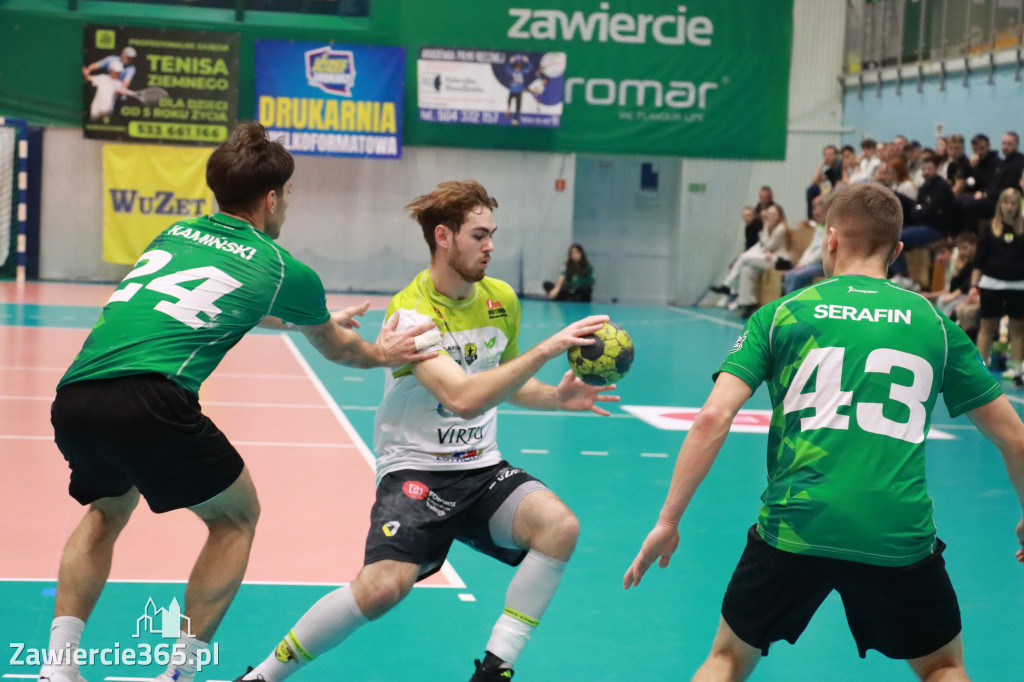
<point x="575" y="396"/>
<point x="661" y="542"/>
<point x="346" y="318"/>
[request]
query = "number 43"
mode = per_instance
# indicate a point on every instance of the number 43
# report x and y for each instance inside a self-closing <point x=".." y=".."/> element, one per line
<point x="189" y="302"/>
<point x="828" y="397"/>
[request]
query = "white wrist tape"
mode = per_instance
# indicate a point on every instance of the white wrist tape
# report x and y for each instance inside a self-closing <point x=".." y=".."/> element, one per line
<point x="427" y="339"/>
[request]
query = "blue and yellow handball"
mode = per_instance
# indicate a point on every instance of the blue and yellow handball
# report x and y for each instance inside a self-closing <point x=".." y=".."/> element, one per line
<point x="606" y="360"/>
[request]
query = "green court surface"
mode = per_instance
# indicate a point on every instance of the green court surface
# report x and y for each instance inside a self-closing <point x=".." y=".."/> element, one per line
<point x="613" y="472"/>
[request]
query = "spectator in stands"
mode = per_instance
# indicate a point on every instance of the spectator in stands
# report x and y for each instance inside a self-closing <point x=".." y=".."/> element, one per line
<point x="936" y="206"/>
<point x="830" y="171"/>
<point x="913" y="153"/>
<point x="997" y="280"/>
<point x="751" y="227"/>
<point x="809" y="266"/>
<point x="959" y="285"/>
<point x="942" y="154"/>
<point x="765" y="198"/>
<point x="958" y="167"/>
<point x="899" y="178"/>
<point x="576" y="281"/>
<point x="869" y="161"/>
<point x="899" y="143"/>
<point x="1008" y="173"/>
<point x="772" y="250"/>
<point x="850" y="163"/>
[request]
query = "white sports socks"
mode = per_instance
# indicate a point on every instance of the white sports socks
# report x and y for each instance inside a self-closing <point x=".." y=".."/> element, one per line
<point x="528" y="596"/>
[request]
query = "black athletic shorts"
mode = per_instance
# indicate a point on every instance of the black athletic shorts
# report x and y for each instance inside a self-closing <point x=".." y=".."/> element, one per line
<point x="995" y="303"/>
<point x="418" y="514"/>
<point x="904" y="612"/>
<point x="144" y="431"/>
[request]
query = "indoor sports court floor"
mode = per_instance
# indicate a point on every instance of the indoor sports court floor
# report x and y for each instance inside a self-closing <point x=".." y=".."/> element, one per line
<point x="303" y="426"/>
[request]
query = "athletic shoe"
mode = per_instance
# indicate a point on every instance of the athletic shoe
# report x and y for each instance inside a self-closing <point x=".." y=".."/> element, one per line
<point x="724" y="301"/>
<point x="242" y="678"/>
<point x="490" y="670"/>
<point x="61" y="675"/>
<point x="1012" y="373"/>
<point x="721" y="289"/>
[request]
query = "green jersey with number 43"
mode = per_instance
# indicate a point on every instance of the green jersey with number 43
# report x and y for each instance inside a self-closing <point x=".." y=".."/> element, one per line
<point x="854" y="366"/>
<point x="199" y="287"/>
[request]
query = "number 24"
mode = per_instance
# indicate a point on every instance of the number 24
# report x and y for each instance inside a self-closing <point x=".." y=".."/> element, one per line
<point x="190" y="302"/>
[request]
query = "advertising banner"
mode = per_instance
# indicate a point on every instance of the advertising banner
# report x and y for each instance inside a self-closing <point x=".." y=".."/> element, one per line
<point x="145" y="189"/>
<point x="334" y="100"/>
<point x="705" y="78"/>
<point x="490" y="87"/>
<point x="146" y="85"/>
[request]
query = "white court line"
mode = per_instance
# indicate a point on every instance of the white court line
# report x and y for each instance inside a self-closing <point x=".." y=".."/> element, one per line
<point x="526" y="451"/>
<point x="597" y="453"/>
<point x="16" y="676"/>
<point x="663" y="455"/>
<point x="709" y="318"/>
<point x="446" y="569"/>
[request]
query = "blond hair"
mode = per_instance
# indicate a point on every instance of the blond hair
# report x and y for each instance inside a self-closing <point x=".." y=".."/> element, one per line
<point x="1016" y="220"/>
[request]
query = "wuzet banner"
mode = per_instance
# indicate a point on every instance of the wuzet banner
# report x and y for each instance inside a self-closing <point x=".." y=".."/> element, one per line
<point x="157" y="85"/>
<point x="705" y="78"/>
<point x="328" y="99"/>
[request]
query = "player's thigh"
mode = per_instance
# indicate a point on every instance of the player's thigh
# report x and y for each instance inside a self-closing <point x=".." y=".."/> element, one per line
<point x="1015" y="306"/>
<point x="543" y="522"/>
<point x="237" y="504"/>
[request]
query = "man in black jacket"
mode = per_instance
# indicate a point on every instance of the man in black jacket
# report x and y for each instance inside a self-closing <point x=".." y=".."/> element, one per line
<point x="936" y="206"/>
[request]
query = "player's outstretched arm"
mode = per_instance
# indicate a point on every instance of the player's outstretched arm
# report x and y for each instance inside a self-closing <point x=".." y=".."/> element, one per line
<point x="343" y="318"/>
<point x="570" y="395"/>
<point x="998" y="421"/>
<point x="698" y="453"/>
<point x="393" y="348"/>
<point x="471" y="395"/>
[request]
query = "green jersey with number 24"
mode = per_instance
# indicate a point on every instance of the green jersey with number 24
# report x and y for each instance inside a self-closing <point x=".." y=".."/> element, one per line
<point x="198" y="288"/>
<point x="854" y="366"/>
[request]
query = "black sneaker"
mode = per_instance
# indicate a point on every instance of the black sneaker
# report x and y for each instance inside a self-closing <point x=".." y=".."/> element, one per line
<point x="241" y="678"/>
<point x="721" y="289"/>
<point x="489" y="670"/>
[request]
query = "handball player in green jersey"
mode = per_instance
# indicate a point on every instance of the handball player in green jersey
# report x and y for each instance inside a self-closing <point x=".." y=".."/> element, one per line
<point x="440" y="474"/>
<point x="854" y="366"/>
<point x="127" y="416"/>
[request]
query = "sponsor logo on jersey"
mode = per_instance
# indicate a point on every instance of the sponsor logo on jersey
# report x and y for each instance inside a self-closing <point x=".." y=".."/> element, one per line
<point x="860" y="291"/>
<point x="454" y="436"/>
<point x="507" y="472"/>
<point x="490" y="342"/>
<point x="470" y="353"/>
<point x="739" y="343"/>
<point x="455" y="352"/>
<point x="415" y="490"/>
<point x="495" y="309"/>
<point x="390" y="528"/>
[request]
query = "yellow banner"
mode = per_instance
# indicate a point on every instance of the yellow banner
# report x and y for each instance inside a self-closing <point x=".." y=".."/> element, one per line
<point x="145" y="189"/>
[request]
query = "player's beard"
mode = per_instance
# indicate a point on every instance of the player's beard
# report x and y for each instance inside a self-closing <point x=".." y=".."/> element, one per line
<point x="455" y="262"/>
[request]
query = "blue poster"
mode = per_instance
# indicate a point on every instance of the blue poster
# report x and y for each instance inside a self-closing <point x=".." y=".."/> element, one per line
<point x="333" y="100"/>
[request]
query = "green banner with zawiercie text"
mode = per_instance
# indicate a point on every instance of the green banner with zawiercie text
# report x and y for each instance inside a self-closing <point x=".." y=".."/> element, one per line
<point x="706" y="79"/>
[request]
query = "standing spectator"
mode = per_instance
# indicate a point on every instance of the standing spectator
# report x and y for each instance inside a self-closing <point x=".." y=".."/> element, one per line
<point x="998" y="279"/>
<point x="576" y="282"/>
<point x="830" y="170"/>
<point x="869" y="161"/>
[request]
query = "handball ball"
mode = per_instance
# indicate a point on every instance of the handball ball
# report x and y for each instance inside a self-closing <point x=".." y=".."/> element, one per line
<point x="606" y="360"/>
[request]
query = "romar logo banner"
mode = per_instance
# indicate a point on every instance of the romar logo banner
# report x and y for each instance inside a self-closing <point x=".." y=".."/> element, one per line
<point x="145" y="189"/>
<point x="337" y="100"/>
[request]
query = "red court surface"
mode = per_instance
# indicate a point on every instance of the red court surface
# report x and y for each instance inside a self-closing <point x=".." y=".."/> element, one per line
<point x="314" y="479"/>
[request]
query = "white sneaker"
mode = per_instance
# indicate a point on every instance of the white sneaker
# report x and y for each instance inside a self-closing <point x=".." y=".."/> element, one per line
<point x="724" y="301"/>
<point x="1012" y="373"/>
<point x="733" y="305"/>
<point x="60" y="675"/>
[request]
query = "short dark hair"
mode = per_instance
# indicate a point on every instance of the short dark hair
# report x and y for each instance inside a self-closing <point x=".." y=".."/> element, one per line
<point x="967" y="236"/>
<point x="867" y="143"/>
<point x="246" y="166"/>
<point x="830" y="146"/>
<point x="980" y="137"/>
<point x="868" y="214"/>
<point x="1014" y="135"/>
<point x="847" y="148"/>
<point x="448" y="205"/>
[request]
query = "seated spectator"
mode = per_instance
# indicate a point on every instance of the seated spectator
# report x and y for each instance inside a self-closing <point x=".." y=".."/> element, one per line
<point x="975" y="203"/>
<point x="958" y="167"/>
<point x="576" y="282"/>
<point x="830" y="171"/>
<point x="751" y="227"/>
<point x="765" y="198"/>
<point x="869" y="161"/>
<point x="942" y="154"/>
<point x="899" y="178"/>
<point x="809" y="266"/>
<point x="997" y="281"/>
<point x="850" y="163"/>
<point x="935" y="206"/>
<point x="772" y="250"/>
<point x="959" y="285"/>
<point x="913" y="153"/>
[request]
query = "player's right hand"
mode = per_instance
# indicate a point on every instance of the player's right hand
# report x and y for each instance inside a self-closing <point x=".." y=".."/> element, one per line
<point x="573" y="335"/>
<point x="399" y="347"/>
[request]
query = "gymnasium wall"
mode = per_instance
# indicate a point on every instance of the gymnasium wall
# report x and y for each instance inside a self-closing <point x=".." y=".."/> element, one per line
<point x="347" y="218"/>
